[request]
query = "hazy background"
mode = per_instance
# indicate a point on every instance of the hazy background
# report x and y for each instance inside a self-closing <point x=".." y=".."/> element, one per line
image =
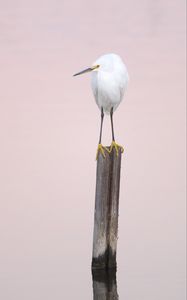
<point x="49" y="127"/>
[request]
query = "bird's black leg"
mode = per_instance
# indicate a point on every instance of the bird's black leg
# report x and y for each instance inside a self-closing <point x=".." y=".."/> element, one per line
<point x="101" y="148"/>
<point x="114" y="145"/>
<point x="102" y="117"/>
<point x="112" y="126"/>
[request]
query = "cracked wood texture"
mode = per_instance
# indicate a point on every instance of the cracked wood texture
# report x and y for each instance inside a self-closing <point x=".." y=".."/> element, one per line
<point x="106" y="211"/>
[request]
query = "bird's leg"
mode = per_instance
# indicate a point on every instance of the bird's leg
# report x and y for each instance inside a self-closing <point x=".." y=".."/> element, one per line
<point x="101" y="148"/>
<point x="112" y="126"/>
<point x="101" y="127"/>
<point x="114" y="144"/>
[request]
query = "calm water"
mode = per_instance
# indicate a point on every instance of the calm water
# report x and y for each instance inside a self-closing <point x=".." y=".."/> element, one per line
<point x="49" y="126"/>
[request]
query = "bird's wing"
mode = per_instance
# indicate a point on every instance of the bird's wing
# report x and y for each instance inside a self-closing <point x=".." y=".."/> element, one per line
<point x="123" y="84"/>
<point x="121" y="90"/>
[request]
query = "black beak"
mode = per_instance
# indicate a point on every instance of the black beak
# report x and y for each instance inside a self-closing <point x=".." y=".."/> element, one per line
<point x="84" y="71"/>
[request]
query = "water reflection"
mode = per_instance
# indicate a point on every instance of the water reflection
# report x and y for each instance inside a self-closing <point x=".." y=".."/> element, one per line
<point x="104" y="285"/>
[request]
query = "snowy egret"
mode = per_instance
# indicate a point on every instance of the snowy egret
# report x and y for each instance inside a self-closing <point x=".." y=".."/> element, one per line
<point x="109" y="81"/>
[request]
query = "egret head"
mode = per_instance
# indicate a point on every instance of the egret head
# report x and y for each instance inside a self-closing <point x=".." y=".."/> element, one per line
<point x="105" y="63"/>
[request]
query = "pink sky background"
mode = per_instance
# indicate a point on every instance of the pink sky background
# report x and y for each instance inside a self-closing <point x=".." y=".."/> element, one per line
<point x="49" y="129"/>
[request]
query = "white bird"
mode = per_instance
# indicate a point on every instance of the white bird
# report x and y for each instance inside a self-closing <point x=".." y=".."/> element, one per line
<point x="109" y="81"/>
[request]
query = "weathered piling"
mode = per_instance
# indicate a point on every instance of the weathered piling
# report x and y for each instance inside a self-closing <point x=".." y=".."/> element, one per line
<point x="104" y="285"/>
<point x="106" y="211"/>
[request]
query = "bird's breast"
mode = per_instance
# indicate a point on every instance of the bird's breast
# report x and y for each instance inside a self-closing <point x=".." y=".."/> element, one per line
<point x="108" y="89"/>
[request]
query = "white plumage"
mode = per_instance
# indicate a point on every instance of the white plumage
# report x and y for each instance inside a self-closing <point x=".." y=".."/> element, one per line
<point x="109" y="81"/>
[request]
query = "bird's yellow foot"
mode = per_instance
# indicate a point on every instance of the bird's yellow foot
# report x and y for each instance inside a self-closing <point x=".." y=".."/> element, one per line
<point x="101" y="149"/>
<point x="116" y="147"/>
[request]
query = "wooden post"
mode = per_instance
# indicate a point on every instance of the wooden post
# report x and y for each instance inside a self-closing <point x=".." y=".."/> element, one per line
<point x="106" y="211"/>
<point x="104" y="285"/>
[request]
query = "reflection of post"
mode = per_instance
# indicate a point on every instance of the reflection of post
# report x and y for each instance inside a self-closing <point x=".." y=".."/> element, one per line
<point x="106" y="211"/>
<point x="104" y="285"/>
